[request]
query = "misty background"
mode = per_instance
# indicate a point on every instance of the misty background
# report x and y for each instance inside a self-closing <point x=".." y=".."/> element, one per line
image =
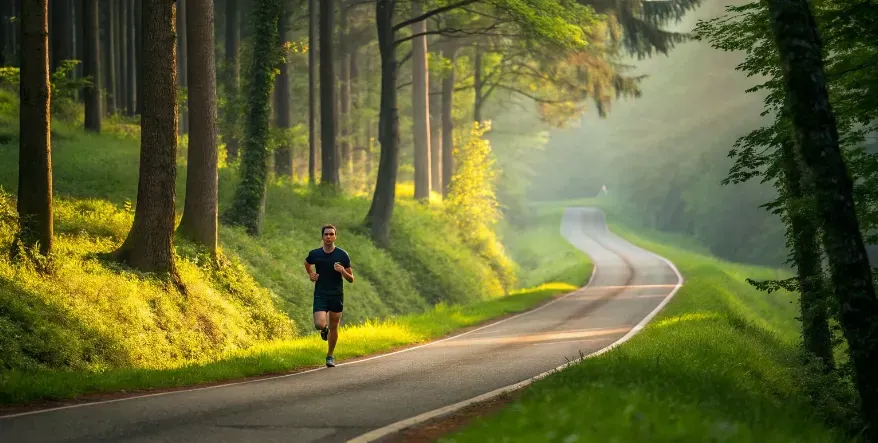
<point x="662" y="156"/>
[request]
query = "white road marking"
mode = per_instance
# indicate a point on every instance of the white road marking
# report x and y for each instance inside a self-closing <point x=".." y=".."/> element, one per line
<point x="179" y="391"/>
<point x="412" y="421"/>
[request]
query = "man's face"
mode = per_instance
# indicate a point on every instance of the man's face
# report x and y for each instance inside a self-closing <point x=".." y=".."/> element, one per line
<point x="328" y="236"/>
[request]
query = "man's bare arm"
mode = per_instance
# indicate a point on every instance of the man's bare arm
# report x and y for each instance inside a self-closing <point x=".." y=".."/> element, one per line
<point x="347" y="273"/>
<point x="310" y="271"/>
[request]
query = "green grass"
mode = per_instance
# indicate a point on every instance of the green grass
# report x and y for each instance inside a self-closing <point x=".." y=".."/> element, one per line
<point x="96" y="326"/>
<point x="719" y="363"/>
<point x="541" y="253"/>
<point x="277" y="356"/>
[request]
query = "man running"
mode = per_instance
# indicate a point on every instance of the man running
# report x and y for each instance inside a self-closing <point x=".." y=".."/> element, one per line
<point x="331" y="263"/>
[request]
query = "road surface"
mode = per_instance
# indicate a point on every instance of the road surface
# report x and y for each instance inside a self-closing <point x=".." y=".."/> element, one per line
<point x="335" y="405"/>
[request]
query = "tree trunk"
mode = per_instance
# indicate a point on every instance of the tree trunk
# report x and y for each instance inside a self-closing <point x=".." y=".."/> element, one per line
<point x="91" y="64"/>
<point x="109" y="52"/>
<point x="367" y="150"/>
<point x="138" y="43"/>
<point x="448" y="125"/>
<point x="248" y="207"/>
<point x="357" y="142"/>
<point x="478" y="86"/>
<point x="14" y="33"/>
<point x="816" y="335"/>
<point x="35" y="157"/>
<point x="435" y="142"/>
<point x="5" y="30"/>
<point x="800" y="53"/>
<point x="329" y="174"/>
<point x="233" y="42"/>
<point x="60" y="49"/>
<point x="436" y="155"/>
<point x="150" y="243"/>
<point x="119" y="14"/>
<point x="182" y="62"/>
<point x="312" y="92"/>
<point x="199" y="221"/>
<point x="420" y="106"/>
<point x="283" y="156"/>
<point x="381" y="210"/>
<point x="346" y="131"/>
<point x="130" y="50"/>
<point x="78" y="33"/>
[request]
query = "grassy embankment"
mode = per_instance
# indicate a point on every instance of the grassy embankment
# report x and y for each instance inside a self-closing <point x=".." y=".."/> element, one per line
<point x="95" y="326"/>
<point x="717" y="364"/>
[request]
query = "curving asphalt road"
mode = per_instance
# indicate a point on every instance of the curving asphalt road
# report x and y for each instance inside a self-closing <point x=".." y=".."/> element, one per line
<point x="334" y="405"/>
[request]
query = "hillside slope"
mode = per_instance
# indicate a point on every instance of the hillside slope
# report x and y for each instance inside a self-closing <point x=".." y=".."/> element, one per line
<point x="93" y="314"/>
<point x="718" y="363"/>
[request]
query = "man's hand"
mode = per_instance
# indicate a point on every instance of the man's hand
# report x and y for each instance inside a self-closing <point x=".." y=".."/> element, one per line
<point x="314" y="276"/>
<point x="338" y="267"/>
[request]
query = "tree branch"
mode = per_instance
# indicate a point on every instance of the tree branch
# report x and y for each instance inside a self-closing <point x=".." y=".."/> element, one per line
<point x="352" y="3"/>
<point x="530" y="96"/>
<point x="421" y="34"/>
<point x="458" y="89"/>
<point x="404" y="59"/>
<point x="851" y="69"/>
<point x="429" y="14"/>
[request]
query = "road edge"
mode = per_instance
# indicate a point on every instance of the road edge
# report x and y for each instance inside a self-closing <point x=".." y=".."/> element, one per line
<point x="398" y="426"/>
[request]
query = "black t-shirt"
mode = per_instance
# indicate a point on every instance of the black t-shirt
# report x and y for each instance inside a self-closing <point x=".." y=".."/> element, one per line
<point x="329" y="281"/>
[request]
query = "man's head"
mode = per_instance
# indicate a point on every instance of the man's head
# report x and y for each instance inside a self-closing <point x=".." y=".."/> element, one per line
<point x="328" y="232"/>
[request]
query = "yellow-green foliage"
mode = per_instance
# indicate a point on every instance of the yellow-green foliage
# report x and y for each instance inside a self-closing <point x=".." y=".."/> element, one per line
<point x="541" y="254"/>
<point x="719" y="363"/>
<point x="93" y="314"/>
<point x="274" y="356"/>
<point x="472" y="201"/>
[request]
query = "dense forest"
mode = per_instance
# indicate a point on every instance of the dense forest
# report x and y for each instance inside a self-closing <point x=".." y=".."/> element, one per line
<point x="673" y="176"/>
<point x="483" y="106"/>
<point x="323" y="105"/>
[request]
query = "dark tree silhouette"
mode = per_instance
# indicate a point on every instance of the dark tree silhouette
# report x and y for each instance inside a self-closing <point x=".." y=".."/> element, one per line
<point x="816" y="137"/>
<point x="35" y="156"/>
<point x="199" y="221"/>
<point x="150" y="243"/>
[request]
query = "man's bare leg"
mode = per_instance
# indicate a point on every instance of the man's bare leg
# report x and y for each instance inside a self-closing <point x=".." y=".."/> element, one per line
<point x="334" y="320"/>
<point x="320" y="322"/>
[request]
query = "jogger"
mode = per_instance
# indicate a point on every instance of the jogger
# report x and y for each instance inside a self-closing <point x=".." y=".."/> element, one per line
<point x="331" y="264"/>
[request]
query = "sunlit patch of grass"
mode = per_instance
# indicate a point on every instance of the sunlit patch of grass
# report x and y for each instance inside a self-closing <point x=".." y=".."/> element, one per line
<point x="541" y="254"/>
<point x="270" y="357"/>
<point x="91" y="314"/>
<point x="94" y="325"/>
<point x="719" y="363"/>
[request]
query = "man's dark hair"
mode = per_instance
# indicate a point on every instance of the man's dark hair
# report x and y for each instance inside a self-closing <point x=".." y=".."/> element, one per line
<point x="325" y="227"/>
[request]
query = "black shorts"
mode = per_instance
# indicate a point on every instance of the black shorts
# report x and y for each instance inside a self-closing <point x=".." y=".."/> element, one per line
<point x="332" y="303"/>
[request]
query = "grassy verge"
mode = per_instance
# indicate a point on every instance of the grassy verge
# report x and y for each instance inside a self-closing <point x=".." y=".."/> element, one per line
<point x="541" y="254"/>
<point x="368" y="337"/>
<point x="95" y="326"/>
<point x="275" y="357"/>
<point x="717" y="364"/>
